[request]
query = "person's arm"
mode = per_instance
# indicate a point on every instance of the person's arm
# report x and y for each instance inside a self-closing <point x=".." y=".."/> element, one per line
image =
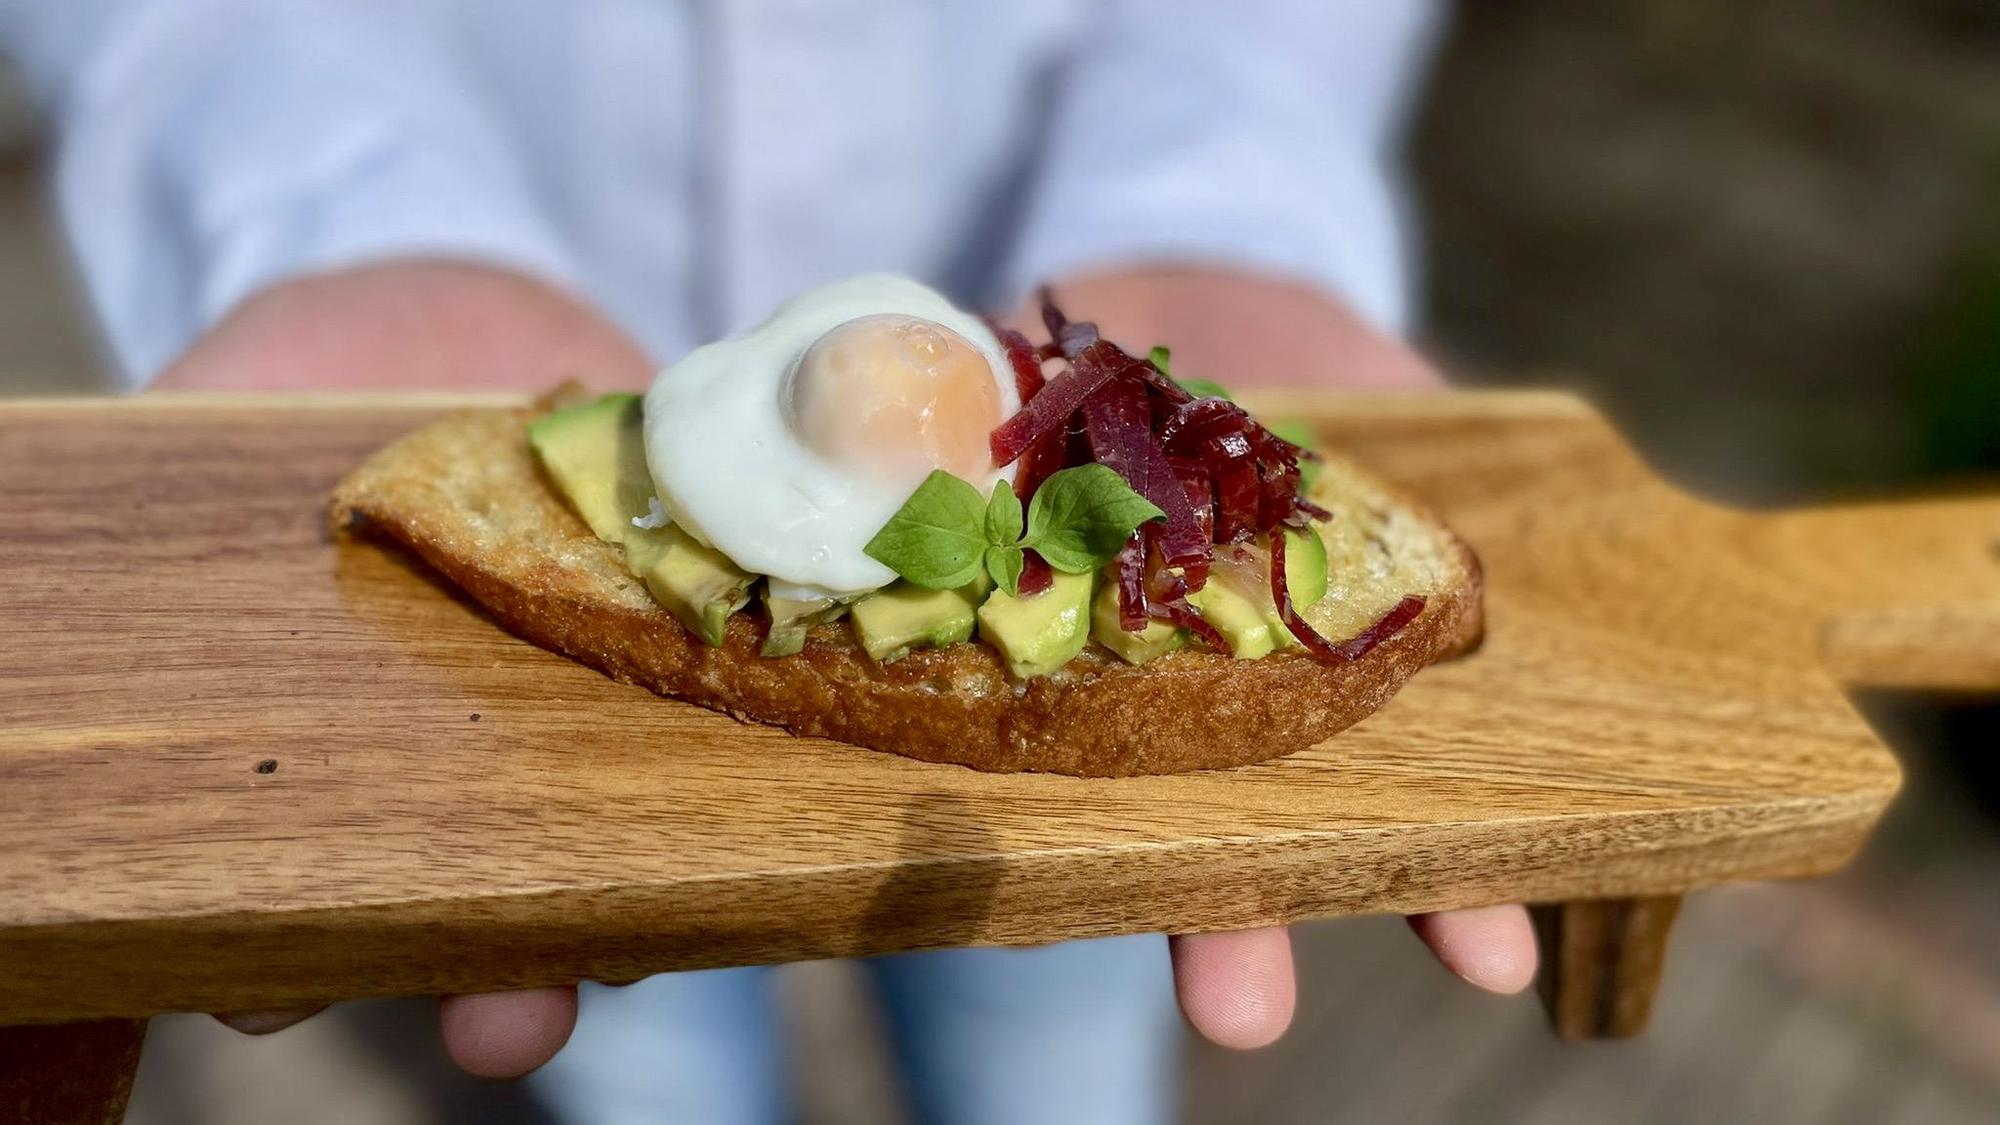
<point x="210" y="150"/>
<point x="1242" y="328"/>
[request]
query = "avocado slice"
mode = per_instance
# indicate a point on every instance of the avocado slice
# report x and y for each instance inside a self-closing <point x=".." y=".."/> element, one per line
<point x="902" y="616"/>
<point x="697" y="584"/>
<point x="1241" y="621"/>
<point x="1305" y="566"/>
<point x="1157" y="639"/>
<point x="793" y="618"/>
<point x="1040" y="633"/>
<point x="1305" y="577"/>
<point x="596" y="456"/>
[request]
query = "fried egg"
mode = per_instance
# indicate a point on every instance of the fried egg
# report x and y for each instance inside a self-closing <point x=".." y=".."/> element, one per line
<point x="789" y="446"/>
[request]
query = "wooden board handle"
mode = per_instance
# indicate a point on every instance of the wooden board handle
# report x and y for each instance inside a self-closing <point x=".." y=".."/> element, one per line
<point x="1912" y="589"/>
<point x="1943" y="648"/>
<point x="1604" y="962"/>
<point x="69" y="1074"/>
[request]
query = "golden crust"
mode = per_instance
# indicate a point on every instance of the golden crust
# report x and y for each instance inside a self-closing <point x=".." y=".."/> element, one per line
<point x="466" y="495"/>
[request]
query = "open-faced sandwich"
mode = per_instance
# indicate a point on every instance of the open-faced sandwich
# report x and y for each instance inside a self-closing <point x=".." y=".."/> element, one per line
<point x="875" y="518"/>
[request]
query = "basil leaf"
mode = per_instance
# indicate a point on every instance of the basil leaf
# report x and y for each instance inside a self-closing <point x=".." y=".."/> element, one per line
<point x="937" y="538"/>
<point x="1203" y="388"/>
<point x="1004" y="564"/>
<point x="1003" y="516"/>
<point x="1080" y="517"/>
<point x="1161" y="359"/>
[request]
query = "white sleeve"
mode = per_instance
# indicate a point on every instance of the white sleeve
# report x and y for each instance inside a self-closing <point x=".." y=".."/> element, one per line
<point x="1259" y="133"/>
<point x="207" y="148"/>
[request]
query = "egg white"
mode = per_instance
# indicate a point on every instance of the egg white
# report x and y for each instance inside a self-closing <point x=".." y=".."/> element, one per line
<point x="732" y="473"/>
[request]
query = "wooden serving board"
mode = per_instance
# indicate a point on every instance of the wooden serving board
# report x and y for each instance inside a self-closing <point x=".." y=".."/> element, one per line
<point x="242" y="766"/>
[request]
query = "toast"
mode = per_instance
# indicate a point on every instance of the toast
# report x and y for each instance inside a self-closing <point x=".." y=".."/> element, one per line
<point x="468" y="497"/>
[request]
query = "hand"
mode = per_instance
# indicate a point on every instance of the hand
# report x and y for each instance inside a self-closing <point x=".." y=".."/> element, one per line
<point x="1236" y="989"/>
<point x="1241" y="330"/>
<point x="415" y="325"/>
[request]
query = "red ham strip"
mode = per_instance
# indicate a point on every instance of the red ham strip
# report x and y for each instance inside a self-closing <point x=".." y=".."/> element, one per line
<point x="1192" y="421"/>
<point x="1118" y="421"/>
<point x="1026" y="361"/>
<point x="1048" y="412"/>
<point x="1036" y="575"/>
<point x="1182" y="614"/>
<point x="1351" y="649"/>
<point x="1131" y="565"/>
<point x="1390" y="623"/>
<point x="1068" y="337"/>
<point x="1200" y="493"/>
<point x="1042" y="459"/>
<point x="1235" y="499"/>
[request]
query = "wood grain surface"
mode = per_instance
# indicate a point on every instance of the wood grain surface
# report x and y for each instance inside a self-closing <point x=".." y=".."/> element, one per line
<point x="243" y="767"/>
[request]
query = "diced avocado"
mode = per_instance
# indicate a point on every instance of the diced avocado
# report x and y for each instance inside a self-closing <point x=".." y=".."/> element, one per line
<point x="1157" y="639"/>
<point x="596" y="456"/>
<point x="1305" y="566"/>
<point x="793" y="618"/>
<point x="1039" y="633"/>
<point x="697" y="584"/>
<point x="902" y="616"/>
<point x="1305" y="577"/>
<point x="1241" y="621"/>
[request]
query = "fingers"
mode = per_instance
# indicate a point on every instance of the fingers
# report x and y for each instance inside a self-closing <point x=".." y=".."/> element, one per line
<point x="1236" y="989"/>
<point x="493" y="1035"/>
<point x="1492" y="947"/>
<point x="507" y="1034"/>
<point x="267" y="1021"/>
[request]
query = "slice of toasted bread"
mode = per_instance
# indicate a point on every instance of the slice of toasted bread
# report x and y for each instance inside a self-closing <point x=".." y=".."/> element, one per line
<point x="467" y="495"/>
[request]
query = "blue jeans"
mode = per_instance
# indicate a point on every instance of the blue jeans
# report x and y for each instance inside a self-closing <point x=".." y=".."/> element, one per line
<point x="1081" y="1032"/>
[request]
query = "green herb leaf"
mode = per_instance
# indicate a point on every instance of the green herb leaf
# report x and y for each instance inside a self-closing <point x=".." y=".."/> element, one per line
<point x="937" y="538"/>
<point x="1003" y="516"/>
<point x="1299" y="432"/>
<point x="1004" y="564"/>
<point x="1081" y="516"/>
<point x="1162" y="359"/>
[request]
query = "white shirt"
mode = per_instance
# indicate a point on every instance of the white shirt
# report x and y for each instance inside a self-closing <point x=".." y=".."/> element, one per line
<point x="687" y="164"/>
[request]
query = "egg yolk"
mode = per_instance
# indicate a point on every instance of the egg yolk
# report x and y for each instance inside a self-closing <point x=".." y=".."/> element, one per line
<point x="896" y="395"/>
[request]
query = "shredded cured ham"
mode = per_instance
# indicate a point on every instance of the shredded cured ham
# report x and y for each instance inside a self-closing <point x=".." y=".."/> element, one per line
<point x="1220" y="477"/>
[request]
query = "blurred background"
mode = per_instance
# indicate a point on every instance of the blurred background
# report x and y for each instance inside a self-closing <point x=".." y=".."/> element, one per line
<point x="1766" y="237"/>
